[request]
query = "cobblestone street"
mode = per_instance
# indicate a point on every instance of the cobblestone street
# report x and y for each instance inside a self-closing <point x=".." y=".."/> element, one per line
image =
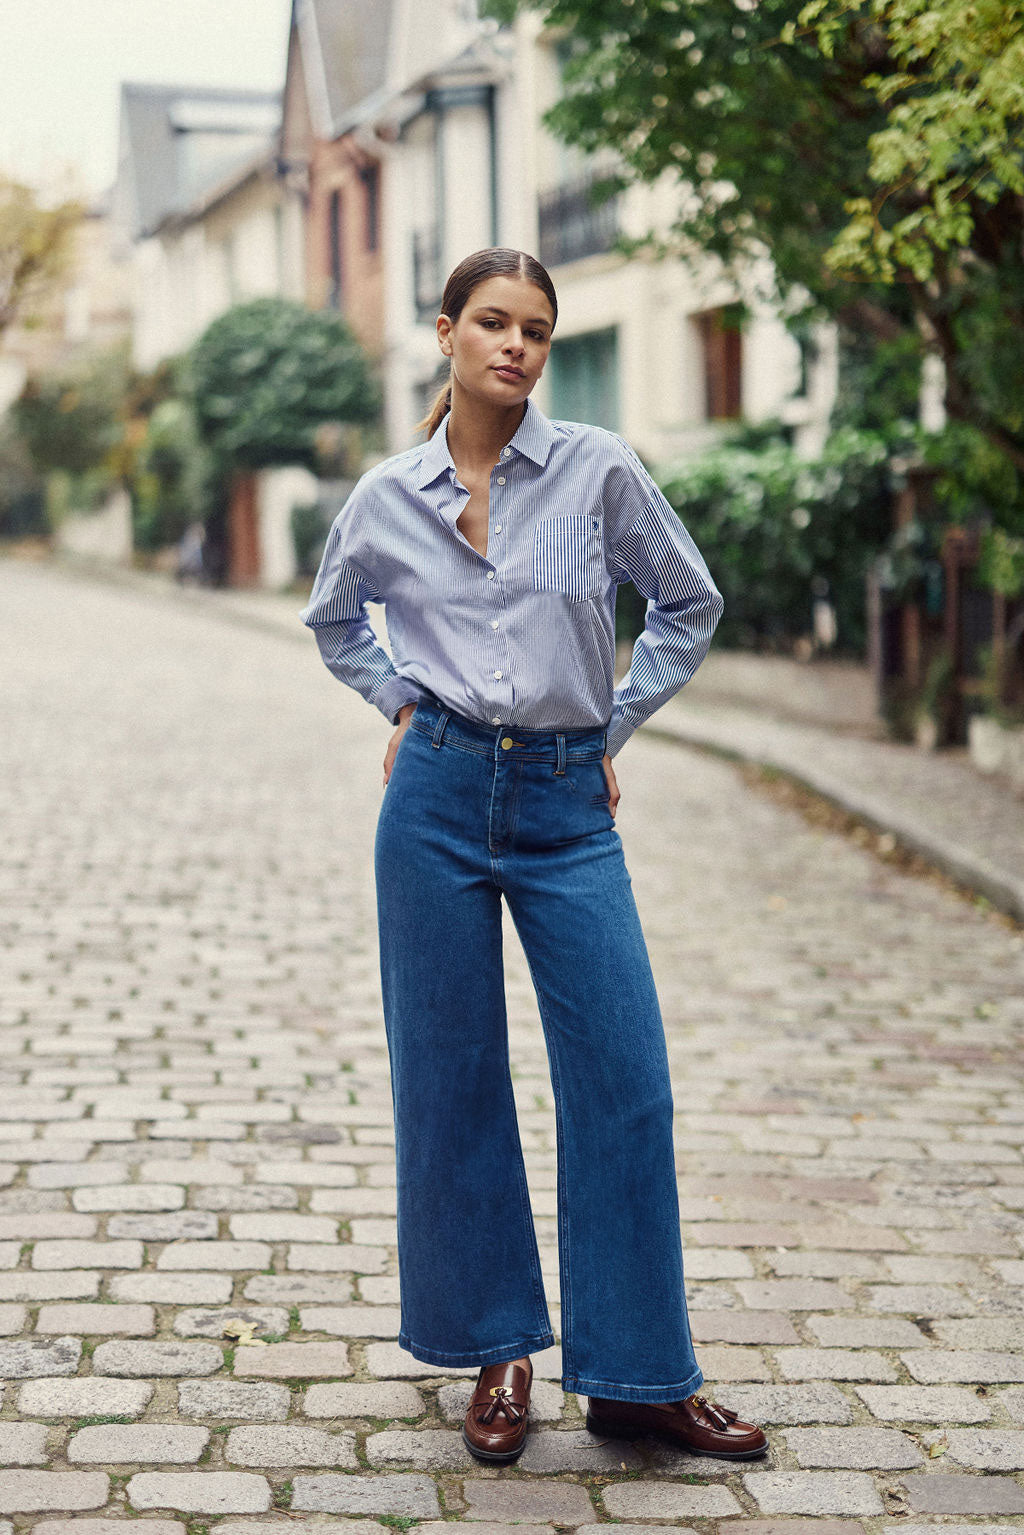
<point x="198" y="1291"/>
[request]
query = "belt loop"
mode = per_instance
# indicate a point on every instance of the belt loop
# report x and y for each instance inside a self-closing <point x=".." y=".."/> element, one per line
<point x="560" y="767"/>
<point x="439" y="730"/>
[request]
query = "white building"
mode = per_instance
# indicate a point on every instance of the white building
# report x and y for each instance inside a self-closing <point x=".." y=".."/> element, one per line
<point x="642" y="346"/>
<point x="210" y="221"/>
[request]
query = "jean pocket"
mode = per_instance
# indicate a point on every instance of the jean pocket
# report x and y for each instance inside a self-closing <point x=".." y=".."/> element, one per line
<point x="568" y="556"/>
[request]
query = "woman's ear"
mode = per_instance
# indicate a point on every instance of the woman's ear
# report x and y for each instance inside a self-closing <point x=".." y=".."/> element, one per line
<point x="444" y="334"/>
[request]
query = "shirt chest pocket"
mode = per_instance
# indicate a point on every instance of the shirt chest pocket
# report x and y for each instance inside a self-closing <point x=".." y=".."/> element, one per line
<point x="568" y="556"/>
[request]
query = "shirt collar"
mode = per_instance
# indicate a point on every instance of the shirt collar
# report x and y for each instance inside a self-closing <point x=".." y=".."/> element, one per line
<point x="534" y="438"/>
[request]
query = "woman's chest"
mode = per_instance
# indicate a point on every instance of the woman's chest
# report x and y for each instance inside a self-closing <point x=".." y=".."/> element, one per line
<point x="473" y="522"/>
<point x="480" y="550"/>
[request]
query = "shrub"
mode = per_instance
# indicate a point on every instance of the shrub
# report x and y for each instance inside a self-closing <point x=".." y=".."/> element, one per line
<point x="774" y="527"/>
<point x="269" y="374"/>
<point x="169" y="480"/>
<point x="70" y="419"/>
<point x="22" y="492"/>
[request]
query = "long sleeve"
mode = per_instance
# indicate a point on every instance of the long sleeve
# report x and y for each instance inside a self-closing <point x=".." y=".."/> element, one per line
<point x="654" y="551"/>
<point x="337" y="614"/>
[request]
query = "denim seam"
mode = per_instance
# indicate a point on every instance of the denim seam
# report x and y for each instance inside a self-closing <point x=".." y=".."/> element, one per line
<point x="462" y="746"/>
<point x="673" y="1391"/>
<point x="524" y="1196"/>
<point x="481" y="751"/>
<point x="565" y="1292"/>
<point x="566" y="1319"/>
<point x="513" y="1350"/>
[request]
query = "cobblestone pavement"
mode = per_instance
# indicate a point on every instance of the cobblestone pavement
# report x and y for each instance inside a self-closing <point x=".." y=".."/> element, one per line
<point x="198" y="1301"/>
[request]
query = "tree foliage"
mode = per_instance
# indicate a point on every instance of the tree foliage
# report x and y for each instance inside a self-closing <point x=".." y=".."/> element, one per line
<point x="35" y="245"/>
<point x="266" y="375"/>
<point x="952" y="148"/>
<point x="169" y="479"/>
<point x="784" y="527"/>
<point x="871" y="147"/>
<point x="71" y="419"/>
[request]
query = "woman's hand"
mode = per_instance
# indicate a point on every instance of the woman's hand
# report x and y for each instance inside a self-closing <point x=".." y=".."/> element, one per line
<point x="613" y="788"/>
<point x="405" y="714"/>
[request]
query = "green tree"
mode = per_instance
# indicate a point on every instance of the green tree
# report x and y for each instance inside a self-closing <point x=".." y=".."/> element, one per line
<point x="35" y="246"/>
<point x="170" y="476"/>
<point x="269" y="375"/>
<point x="871" y="147"/>
<point x="70" y="419"/>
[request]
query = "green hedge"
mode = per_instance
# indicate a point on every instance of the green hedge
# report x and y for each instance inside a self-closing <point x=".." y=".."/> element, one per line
<point x="775" y="528"/>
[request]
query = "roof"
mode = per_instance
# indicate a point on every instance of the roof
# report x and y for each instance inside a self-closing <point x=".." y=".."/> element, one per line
<point x="179" y="142"/>
<point x="361" y="57"/>
<point x="346" y="47"/>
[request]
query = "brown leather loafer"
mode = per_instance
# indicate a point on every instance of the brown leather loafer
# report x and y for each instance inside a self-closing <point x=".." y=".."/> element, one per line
<point x="499" y="1411"/>
<point x="695" y="1425"/>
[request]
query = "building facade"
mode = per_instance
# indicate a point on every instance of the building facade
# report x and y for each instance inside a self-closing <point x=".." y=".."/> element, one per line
<point x="408" y="134"/>
<point x="209" y="219"/>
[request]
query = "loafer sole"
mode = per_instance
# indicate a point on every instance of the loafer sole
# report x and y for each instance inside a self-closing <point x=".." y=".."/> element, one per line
<point x="492" y="1454"/>
<point x="613" y="1431"/>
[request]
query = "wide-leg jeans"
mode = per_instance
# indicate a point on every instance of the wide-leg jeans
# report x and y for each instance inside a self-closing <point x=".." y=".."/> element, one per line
<point x="472" y="814"/>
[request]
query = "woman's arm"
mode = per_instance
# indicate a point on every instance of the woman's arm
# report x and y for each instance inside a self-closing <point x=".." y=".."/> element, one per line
<point x="653" y="549"/>
<point x="336" y="612"/>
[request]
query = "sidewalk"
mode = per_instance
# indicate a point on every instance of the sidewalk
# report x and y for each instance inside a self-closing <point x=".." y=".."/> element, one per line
<point x="813" y="722"/>
<point x="935" y="804"/>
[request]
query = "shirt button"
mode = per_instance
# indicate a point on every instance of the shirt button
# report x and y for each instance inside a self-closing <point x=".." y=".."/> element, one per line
<point x="494" y="623"/>
<point x="490" y="575"/>
<point x="501" y="479"/>
<point x="497" y="527"/>
<point x="497" y="721"/>
<point x="499" y="675"/>
<point x="506" y="452"/>
<point x="506" y="741"/>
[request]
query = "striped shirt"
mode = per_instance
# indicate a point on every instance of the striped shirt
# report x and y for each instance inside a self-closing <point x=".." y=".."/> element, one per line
<point x="524" y="635"/>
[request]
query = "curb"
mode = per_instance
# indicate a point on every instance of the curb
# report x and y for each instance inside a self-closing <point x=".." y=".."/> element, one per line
<point x="1003" y="889"/>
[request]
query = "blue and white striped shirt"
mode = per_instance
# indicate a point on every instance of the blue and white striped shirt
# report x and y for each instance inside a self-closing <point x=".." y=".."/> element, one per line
<point x="526" y="634"/>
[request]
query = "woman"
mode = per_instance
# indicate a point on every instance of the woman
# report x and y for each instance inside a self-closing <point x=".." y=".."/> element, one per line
<point x="497" y="546"/>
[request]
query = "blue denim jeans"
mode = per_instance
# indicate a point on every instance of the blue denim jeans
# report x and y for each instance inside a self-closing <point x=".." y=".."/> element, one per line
<point x="471" y="814"/>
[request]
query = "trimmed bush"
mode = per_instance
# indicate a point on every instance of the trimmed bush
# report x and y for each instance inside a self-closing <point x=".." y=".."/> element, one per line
<point x="775" y="528"/>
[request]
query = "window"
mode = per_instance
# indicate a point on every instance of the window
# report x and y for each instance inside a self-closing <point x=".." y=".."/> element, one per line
<point x="584" y="372"/>
<point x="369" y="175"/>
<point x="722" y="348"/>
<point x="334" y="236"/>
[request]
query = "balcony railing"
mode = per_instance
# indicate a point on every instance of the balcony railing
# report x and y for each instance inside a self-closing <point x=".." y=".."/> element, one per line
<point x="427" y="272"/>
<point x="573" y="225"/>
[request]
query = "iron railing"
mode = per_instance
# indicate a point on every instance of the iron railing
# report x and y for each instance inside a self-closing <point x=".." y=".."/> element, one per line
<point x="573" y="225"/>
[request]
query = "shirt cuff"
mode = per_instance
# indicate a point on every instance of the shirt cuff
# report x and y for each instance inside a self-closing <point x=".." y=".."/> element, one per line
<point x="393" y="694"/>
<point x="619" y="731"/>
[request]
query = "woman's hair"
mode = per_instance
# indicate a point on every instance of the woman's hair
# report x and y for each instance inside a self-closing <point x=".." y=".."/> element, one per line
<point x="496" y="261"/>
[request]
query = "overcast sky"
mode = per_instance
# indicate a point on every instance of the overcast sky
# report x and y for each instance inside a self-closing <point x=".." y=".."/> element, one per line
<point x="62" y="63"/>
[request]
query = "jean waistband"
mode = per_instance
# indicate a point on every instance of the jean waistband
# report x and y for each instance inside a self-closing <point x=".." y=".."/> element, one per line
<point x="445" y="725"/>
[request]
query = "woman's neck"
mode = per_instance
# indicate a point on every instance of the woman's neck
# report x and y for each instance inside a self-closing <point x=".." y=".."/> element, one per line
<point x="477" y="433"/>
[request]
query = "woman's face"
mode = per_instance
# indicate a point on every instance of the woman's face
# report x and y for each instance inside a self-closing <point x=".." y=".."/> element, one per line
<point x="501" y="340"/>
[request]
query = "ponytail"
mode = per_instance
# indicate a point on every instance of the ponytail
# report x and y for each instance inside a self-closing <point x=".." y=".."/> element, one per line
<point x="440" y="408"/>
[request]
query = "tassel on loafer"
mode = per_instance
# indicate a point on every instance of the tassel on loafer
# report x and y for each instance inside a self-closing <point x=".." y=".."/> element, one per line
<point x="499" y="1412"/>
<point x="696" y="1425"/>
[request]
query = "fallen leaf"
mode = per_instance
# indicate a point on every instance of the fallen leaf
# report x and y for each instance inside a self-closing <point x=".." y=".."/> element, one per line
<point x="243" y="1333"/>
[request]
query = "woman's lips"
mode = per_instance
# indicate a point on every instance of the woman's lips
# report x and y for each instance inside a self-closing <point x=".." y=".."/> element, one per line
<point x="512" y="374"/>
